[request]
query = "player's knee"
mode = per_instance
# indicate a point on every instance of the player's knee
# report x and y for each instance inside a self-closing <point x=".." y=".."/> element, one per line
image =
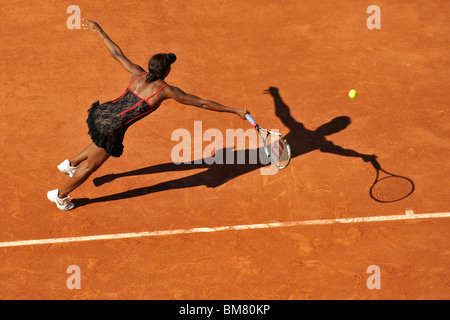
<point x="91" y="166"/>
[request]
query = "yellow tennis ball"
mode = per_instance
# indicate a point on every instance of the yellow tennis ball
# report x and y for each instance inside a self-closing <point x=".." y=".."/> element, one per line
<point x="352" y="93"/>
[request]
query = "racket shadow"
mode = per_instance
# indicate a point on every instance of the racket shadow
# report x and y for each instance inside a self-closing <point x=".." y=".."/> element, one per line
<point x="389" y="187"/>
<point x="301" y="140"/>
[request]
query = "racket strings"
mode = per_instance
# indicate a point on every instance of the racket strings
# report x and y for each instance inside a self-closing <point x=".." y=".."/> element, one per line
<point x="278" y="150"/>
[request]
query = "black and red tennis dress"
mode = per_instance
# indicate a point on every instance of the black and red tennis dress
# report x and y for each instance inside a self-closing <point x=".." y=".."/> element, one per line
<point x="108" y="122"/>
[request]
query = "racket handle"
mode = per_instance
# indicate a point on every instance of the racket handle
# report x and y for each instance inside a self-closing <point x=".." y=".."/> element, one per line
<point x="250" y="119"/>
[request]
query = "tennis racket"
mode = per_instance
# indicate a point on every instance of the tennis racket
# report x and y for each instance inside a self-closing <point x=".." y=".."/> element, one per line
<point x="275" y="145"/>
<point x="389" y="187"/>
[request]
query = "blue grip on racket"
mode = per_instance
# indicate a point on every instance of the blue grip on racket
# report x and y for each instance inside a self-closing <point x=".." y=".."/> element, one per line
<point x="250" y="119"/>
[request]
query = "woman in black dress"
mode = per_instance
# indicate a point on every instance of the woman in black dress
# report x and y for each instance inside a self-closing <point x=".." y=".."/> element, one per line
<point x="108" y="122"/>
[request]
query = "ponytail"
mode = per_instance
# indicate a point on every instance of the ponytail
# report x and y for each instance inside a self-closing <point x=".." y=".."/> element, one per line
<point x="152" y="77"/>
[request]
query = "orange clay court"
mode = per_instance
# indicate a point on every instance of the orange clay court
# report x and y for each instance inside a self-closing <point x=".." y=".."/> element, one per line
<point x="310" y="53"/>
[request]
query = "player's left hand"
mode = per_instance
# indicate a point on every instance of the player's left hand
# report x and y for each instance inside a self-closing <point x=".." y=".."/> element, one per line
<point x="92" y="25"/>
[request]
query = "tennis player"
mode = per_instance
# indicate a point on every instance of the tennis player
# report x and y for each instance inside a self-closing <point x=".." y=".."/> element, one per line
<point x="108" y="122"/>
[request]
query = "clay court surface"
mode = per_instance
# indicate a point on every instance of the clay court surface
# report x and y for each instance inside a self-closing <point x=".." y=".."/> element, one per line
<point x="313" y="52"/>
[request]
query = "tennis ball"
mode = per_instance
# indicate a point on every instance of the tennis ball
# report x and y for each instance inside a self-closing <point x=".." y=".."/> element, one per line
<point x="352" y="93"/>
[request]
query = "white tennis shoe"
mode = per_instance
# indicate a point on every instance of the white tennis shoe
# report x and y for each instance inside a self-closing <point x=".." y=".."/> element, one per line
<point x="66" y="168"/>
<point x="63" y="204"/>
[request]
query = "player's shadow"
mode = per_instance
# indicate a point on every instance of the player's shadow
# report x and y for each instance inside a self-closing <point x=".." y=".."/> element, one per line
<point x="301" y="140"/>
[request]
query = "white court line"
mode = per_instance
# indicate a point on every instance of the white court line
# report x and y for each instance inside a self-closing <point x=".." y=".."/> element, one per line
<point x="408" y="216"/>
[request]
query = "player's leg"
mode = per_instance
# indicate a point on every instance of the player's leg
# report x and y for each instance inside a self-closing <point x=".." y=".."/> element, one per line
<point x="69" y="167"/>
<point x="82" y="156"/>
<point x="93" y="157"/>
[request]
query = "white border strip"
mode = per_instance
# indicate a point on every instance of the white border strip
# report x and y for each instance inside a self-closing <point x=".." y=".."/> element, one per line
<point x="408" y="216"/>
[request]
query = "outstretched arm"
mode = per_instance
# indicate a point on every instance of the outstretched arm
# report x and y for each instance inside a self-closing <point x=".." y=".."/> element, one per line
<point x="178" y="95"/>
<point x="113" y="48"/>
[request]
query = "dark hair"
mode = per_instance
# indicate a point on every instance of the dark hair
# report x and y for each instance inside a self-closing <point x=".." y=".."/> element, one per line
<point x="159" y="65"/>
